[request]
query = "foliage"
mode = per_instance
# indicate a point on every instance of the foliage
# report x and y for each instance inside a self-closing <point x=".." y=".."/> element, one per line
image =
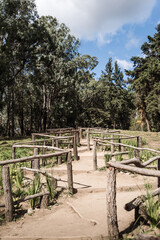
<point x="41" y="71"/>
<point x="107" y="158"/>
<point x="144" y="79"/>
<point x="107" y="102"/>
<point x="152" y="207"/>
<point x="119" y="158"/>
<point x="50" y="186"/>
<point x="34" y="188"/>
<point x="146" y="155"/>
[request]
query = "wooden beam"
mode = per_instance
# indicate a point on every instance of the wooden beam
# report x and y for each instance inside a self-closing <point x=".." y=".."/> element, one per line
<point x="144" y="172"/>
<point x="26" y="159"/>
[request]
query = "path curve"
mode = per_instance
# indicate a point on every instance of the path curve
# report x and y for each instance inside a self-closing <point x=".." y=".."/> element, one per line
<point x="83" y="215"/>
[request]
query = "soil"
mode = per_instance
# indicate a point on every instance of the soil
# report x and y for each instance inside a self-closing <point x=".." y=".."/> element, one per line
<point x="83" y="215"/>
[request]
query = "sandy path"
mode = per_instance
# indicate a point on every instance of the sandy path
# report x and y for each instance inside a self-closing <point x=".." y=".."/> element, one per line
<point x="82" y="216"/>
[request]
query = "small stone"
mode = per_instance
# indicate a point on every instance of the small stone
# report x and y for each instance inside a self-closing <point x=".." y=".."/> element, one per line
<point x="30" y="211"/>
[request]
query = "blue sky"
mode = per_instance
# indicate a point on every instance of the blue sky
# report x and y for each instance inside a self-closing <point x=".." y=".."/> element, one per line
<point x="106" y="28"/>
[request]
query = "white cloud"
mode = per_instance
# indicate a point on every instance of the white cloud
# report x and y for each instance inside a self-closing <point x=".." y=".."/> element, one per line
<point x="158" y="22"/>
<point x="124" y="64"/>
<point x="132" y="41"/>
<point x="96" y="19"/>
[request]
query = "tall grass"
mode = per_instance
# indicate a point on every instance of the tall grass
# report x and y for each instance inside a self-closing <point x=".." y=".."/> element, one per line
<point x="152" y="207"/>
<point x="107" y="158"/>
<point x="50" y="186"/>
<point x="146" y="155"/>
<point x="34" y="188"/>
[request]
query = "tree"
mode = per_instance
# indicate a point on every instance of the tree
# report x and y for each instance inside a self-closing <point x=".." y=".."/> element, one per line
<point x="117" y="98"/>
<point x="16" y="46"/>
<point x="41" y="70"/>
<point x="145" y="81"/>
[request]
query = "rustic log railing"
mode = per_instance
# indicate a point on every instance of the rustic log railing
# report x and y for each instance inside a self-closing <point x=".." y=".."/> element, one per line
<point x="55" y="142"/>
<point x="134" y="165"/>
<point x="90" y="132"/>
<point x="57" y="139"/>
<point x="9" y="204"/>
<point x="98" y="141"/>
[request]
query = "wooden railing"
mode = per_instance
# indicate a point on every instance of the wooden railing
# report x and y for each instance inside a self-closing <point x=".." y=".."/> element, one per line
<point x="133" y="165"/>
<point x="35" y="160"/>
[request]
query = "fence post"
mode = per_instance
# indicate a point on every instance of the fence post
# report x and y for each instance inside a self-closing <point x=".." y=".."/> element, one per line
<point x="75" y="146"/>
<point x="88" y="140"/>
<point x="43" y="152"/>
<point x="158" y="168"/>
<point x="139" y="141"/>
<point x="36" y="164"/>
<point x="94" y="155"/>
<point x="59" y="160"/>
<point x="57" y="145"/>
<point x="119" y="140"/>
<point x="80" y="133"/>
<point x="33" y="137"/>
<point x="123" y="148"/>
<point x="52" y="142"/>
<point x="112" y="222"/>
<point x="7" y="194"/>
<point x="13" y="152"/>
<point x="77" y="136"/>
<point x="136" y="153"/>
<point x="102" y="136"/>
<point x="69" y="172"/>
<point x="112" y="145"/>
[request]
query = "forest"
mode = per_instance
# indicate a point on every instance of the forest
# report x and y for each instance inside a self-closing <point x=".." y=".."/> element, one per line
<point x="46" y="83"/>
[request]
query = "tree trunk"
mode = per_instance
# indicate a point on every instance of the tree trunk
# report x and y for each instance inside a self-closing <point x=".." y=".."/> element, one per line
<point x="13" y="111"/>
<point x="8" y="128"/>
<point x="44" y="108"/>
<point x="148" y="125"/>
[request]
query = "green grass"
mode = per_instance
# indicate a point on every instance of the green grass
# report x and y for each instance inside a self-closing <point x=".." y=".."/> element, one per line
<point x="146" y="155"/>
<point x="107" y="158"/>
<point x="119" y="158"/>
<point x="152" y="207"/>
<point x="34" y="188"/>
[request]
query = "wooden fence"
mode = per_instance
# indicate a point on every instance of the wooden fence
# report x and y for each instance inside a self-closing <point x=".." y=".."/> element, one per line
<point x="35" y="159"/>
<point x="133" y="165"/>
<point x="56" y="140"/>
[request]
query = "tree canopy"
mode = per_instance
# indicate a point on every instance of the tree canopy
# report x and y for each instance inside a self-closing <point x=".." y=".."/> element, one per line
<point x="145" y="81"/>
<point x="41" y="70"/>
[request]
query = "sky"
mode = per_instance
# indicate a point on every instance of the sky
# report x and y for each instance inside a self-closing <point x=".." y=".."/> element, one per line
<point x="106" y="28"/>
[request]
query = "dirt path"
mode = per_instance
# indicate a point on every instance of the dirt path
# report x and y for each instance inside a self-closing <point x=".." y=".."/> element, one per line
<point x="82" y="216"/>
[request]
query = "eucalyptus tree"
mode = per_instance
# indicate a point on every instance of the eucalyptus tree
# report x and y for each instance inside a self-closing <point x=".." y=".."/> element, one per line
<point x="61" y="71"/>
<point x="16" y="46"/>
<point x="41" y="71"/>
